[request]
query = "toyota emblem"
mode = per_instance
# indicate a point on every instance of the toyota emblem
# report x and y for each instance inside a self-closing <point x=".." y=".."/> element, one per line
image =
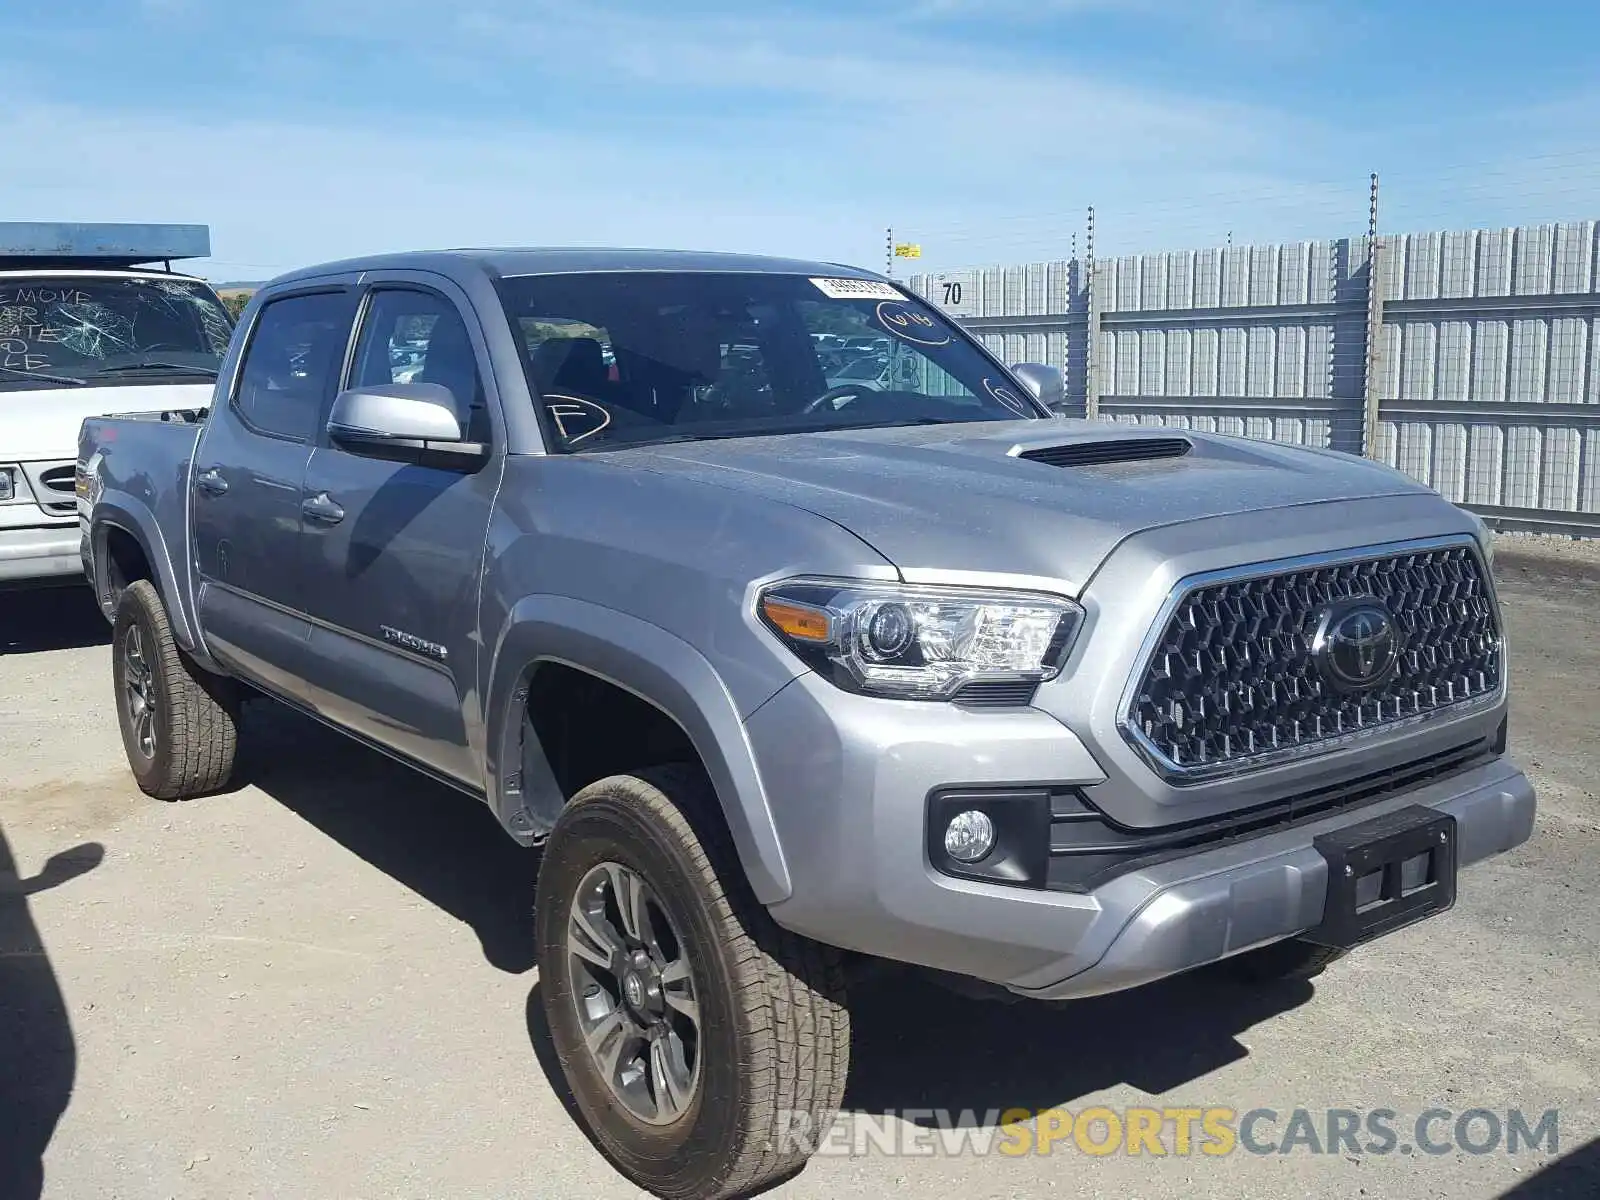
<point x="1356" y="644"/>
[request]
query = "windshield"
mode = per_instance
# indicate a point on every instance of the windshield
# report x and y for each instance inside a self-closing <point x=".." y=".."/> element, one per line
<point x="631" y="358"/>
<point x="63" y="329"/>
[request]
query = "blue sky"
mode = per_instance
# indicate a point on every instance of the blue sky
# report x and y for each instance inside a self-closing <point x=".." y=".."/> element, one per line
<point x="301" y="130"/>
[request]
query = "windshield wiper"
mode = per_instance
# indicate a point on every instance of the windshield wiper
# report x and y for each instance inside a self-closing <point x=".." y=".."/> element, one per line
<point x="127" y="368"/>
<point x="67" y="380"/>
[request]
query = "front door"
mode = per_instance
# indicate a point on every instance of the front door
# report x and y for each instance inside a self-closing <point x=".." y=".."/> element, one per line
<point x="245" y="491"/>
<point x="392" y="553"/>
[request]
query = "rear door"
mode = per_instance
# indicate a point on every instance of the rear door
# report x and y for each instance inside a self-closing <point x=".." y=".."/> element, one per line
<point x="246" y="485"/>
<point x="392" y="553"/>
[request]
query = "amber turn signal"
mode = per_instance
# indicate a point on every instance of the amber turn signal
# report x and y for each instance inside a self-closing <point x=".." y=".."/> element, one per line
<point x="798" y="621"/>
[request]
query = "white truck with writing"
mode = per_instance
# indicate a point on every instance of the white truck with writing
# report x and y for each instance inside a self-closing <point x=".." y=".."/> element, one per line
<point x="85" y="331"/>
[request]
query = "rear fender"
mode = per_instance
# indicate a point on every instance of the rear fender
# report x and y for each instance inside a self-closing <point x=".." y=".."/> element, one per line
<point x="119" y="510"/>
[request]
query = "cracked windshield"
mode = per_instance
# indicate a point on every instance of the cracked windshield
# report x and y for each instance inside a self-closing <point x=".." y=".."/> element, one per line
<point x="68" y="329"/>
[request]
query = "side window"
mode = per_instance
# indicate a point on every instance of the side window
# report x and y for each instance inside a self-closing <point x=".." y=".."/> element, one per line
<point x="419" y="337"/>
<point x="295" y="351"/>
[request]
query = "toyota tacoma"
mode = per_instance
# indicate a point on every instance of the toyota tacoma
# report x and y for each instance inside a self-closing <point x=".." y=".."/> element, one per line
<point x="787" y="676"/>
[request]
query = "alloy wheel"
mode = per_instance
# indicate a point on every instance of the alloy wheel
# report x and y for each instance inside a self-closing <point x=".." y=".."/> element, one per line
<point x="633" y="987"/>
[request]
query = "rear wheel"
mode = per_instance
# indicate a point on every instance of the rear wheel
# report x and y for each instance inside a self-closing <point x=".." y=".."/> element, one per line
<point x="179" y="724"/>
<point x="1291" y="959"/>
<point x="706" y="1048"/>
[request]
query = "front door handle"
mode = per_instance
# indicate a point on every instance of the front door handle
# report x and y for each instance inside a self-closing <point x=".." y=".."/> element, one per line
<point x="321" y="509"/>
<point x="211" y="482"/>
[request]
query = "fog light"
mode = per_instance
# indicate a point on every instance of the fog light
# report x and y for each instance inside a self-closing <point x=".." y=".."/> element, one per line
<point x="969" y="836"/>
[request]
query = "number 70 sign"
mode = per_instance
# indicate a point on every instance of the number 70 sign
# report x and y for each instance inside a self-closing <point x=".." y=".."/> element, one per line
<point x="956" y="292"/>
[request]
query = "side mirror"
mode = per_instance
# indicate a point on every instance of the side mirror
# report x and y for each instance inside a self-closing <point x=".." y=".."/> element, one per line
<point x="1046" y="384"/>
<point x="403" y="422"/>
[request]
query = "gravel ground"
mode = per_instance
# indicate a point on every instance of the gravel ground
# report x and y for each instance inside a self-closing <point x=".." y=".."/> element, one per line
<point x="322" y="984"/>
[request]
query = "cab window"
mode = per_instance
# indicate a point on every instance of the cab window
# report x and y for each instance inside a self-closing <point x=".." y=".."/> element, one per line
<point x="413" y="336"/>
<point x="289" y="367"/>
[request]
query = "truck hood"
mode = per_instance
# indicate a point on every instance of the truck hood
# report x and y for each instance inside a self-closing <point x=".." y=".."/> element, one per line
<point x="41" y="425"/>
<point x="941" y="501"/>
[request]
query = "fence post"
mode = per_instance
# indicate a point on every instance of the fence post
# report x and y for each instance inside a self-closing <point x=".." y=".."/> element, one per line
<point x="1091" y="373"/>
<point x="1374" y="339"/>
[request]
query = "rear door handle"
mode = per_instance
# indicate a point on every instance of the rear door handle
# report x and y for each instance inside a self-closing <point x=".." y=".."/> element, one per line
<point x="321" y="509"/>
<point x="211" y="482"/>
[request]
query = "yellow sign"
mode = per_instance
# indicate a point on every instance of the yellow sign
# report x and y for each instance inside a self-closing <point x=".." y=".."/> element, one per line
<point x="907" y="250"/>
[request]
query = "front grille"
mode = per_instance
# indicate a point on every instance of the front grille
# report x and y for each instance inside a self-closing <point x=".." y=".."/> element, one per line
<point x="54" y="486"/>
<point x="59" y="479"/>
<point x="1232" y="681"/>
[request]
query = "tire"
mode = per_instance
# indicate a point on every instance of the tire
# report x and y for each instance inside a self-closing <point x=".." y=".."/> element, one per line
<point x="772" y="1039"/>
<point x="187" y="746"/>
<point x="1286" y="960"/>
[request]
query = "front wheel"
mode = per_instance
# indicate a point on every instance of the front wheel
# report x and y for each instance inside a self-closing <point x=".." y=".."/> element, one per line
<point x="180" y="725"/>
<point x="706" y="1048"/>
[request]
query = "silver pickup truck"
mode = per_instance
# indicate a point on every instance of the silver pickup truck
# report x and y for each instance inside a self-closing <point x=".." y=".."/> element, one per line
<point x="790" y="668"/>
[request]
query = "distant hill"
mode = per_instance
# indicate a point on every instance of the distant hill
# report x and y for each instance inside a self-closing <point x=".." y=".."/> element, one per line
<point x="235" y="295"/>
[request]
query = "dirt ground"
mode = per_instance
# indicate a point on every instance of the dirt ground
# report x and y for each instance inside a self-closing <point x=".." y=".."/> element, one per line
<point x="322" y="984"/>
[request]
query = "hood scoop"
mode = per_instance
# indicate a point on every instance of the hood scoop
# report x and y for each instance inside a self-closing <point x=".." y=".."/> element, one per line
<point x="1111" y="450"/>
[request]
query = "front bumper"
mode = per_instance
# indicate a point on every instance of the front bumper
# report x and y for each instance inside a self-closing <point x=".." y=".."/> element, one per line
<point x="848" y="777"/>
<point x="48" y="552"/>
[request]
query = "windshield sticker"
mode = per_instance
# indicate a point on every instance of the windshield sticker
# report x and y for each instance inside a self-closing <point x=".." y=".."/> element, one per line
<point x="1008" y="397"/>
<point x="910" y="325"/>
<point x="574" y="417"/>
<point x="857" y="289"/>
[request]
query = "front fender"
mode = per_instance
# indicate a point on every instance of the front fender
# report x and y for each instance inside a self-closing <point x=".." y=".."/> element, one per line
<point x="658" y="667"/>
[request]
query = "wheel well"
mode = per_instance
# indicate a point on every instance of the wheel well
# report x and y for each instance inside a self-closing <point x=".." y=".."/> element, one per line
<point x="125" y="563"/>
<point x="590" y="728"/>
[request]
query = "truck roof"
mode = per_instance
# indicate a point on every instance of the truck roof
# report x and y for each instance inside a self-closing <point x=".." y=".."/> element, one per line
<point x="559" y="260"/>
<point x="48" y="244"/>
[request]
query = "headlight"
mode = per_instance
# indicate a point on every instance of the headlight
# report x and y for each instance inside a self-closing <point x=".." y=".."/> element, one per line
<point x="8" y="486"/>
<point x="920" y="643"/>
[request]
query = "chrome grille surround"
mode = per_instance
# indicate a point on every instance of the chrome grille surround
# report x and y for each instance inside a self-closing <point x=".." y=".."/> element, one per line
<point x="1225" y="682"/>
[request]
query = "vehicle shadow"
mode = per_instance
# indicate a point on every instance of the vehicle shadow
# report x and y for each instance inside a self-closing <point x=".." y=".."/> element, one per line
<point x="38" y="1057"/>
<point x="443" y="845"/>
<point x="917" y="1045"/>
<point x="1574" y="1177"/>
<point x="50" y="618"/>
